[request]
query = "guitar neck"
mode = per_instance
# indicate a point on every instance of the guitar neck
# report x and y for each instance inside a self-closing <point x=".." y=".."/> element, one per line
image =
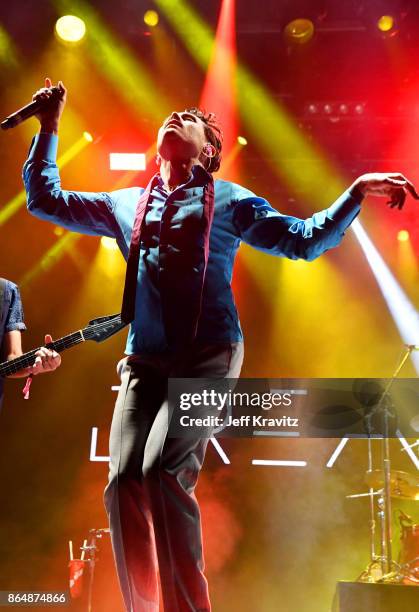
<point x="27" y="359"/>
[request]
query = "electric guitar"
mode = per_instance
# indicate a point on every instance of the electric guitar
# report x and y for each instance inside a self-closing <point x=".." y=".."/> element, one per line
<point x="98" y="330"/>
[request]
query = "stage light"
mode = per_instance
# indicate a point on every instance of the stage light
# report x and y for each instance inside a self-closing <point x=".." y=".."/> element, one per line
<point x="151" y="18"/>
<point x="87" y="136"/>
<point x="337" y="108"/>
<point x="299" y="31"/>
<point x="109" y="243"/>
<point x="242" y="140"/>
<point x="403" y="236"/>
<point x="127" y="161"/>
<point x="385" y="23"/>
<point x="70" y="28"/>
<point x="404" y="313"/>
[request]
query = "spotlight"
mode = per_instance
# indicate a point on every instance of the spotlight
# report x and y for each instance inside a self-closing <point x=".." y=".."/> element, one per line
<point x="343" y="109"/>
<point x="403" y="311"/>
<point x="327" y="109"/>
<point x="70" y="28"/>
<point x="403" y="236"/>
<point x="242" y="140"/>
<point x="151" y="18"/>
<point x="359" y="109"/>
<point x="87" y="136"/>
<point x="127" y="161"/>
<point x="299" y="31"/>
<point x="312" y="109"/>
<point x="108" y="243"/>
<point x="385" y="23"/>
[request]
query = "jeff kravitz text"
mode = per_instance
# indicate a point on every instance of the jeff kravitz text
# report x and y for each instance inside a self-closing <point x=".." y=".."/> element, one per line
<point x="242" y="421"/>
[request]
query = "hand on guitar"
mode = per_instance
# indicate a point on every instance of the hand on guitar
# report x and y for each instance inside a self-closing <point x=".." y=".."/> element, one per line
<point x="46" y="360"/>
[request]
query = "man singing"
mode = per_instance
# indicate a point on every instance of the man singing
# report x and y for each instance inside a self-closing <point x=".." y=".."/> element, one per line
<point x="180" y="236"/>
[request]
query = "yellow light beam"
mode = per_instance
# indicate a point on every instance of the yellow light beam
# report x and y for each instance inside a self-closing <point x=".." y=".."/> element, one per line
<point x="9" y="55"/>
<point x="50" y="257"/>
<point x="115" y="60"/>
<point x="197" y="35"/>
<point x="163" y="46"/>
<point x="19" y="199"/>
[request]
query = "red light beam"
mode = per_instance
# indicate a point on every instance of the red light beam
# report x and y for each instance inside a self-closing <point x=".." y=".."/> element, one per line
<point x="219" y="91"/>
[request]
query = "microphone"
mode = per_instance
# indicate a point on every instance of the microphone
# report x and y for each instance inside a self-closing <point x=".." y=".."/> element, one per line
<point x="412" y="347"/>
<point x="29" y="110"/>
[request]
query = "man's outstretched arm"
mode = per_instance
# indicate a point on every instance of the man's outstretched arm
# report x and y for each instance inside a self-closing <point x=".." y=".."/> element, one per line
<point x="85" y="212"/>
<point x="264" y="228"/>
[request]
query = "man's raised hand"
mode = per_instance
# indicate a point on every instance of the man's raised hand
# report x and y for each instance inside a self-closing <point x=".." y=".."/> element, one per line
<point x="50" y="116"/>
<point x="392" y="185"/>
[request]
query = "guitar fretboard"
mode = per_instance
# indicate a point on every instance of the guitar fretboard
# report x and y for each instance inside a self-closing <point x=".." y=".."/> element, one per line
<point x="28" y="359"/>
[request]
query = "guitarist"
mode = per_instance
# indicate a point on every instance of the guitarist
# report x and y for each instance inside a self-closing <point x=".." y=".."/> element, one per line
<point x="184" y="324"/>
<point x="11" y="327"/>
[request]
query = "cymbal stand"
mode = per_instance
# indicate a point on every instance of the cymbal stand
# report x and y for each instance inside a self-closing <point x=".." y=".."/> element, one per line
<point x="370" y="573"/>
<point x="91" y="549"/>
<point x="386" y="410"/>
<point x="384" y="502"/>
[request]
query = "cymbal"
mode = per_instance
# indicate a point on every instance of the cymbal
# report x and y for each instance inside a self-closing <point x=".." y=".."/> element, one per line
<point x="402" y="484"/>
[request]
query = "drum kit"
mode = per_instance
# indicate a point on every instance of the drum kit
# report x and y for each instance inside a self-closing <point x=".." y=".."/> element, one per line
<point x="385" y="485"/>
<point x="382" y="567"/>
